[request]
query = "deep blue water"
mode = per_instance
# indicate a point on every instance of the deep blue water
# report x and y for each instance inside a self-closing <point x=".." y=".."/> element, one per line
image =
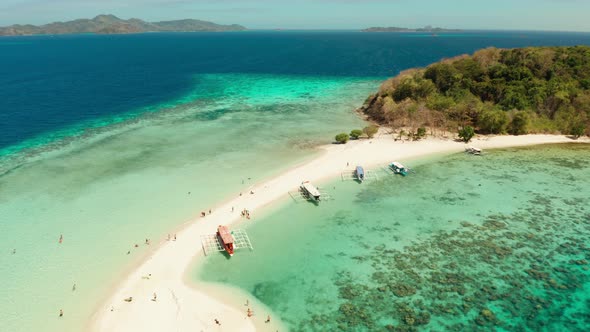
<point x="49" y="83"/>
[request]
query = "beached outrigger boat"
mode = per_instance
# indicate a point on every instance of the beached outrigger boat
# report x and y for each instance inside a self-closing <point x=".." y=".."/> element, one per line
<point x="474" y="151"/>
<point x="359" y="173"/>
<point x="226" y="239"/>
<point x="310" y="191"/>
<point x="398" y="168"/>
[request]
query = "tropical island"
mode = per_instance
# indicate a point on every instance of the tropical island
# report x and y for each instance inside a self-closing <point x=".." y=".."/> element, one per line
<point x="427" y="28"/>
<point x="537" y="90"/>
<point x="446" y="95"/>
<point x="110" y="24"/>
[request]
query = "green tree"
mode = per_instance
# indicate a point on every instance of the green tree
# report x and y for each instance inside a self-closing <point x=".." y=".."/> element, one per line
<point x="342" y="138"/>
<point x="466" y="133"/>
<point x="514" y="97"/>
<point x="356" y="133"/>
<point x="578" y="130"/>
<point x="571" y="121"/>
<point x="443" y="75"/>
<point x="493" y="121"/>
<point x="420" y="133"/>
<point x="519" y="124"/>
<point x="423" y="89"/>
<point x="404" y="90"/>
<point x="440" y="103"/>
<point x="371" y="130"/>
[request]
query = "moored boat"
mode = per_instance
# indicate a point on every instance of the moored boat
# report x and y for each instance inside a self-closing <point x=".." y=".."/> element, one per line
<point x="226" y="239"/>
<point x="310" y="191"/>
<point x="474" y="151"/>
<point x="398" y="168"/>
<point x="359" y="173"/>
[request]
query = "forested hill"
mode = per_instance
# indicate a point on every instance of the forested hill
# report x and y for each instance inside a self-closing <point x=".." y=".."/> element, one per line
<point x="110" y="24"/>
<point x="516" y="91"/>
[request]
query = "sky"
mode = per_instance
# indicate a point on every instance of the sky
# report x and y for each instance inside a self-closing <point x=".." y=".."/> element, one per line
<point x="568" y="15"/>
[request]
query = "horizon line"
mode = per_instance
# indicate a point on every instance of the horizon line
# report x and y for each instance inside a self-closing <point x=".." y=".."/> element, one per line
<point x="315" y="28"/>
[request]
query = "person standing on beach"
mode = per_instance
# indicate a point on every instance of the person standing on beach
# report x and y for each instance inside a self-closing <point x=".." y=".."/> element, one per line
<point x="61" y="313"/>
<point x="155" y="297"/>
<point x="267" y="319"/>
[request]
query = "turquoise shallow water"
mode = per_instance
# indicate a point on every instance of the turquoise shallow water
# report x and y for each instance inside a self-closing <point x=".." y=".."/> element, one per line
<point x="109" y="140"/>
<point x="464" y="243"/>
<point x="139" y="177"/>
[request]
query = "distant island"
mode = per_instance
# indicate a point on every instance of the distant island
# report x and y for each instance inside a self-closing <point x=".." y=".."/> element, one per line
<point x="110" y="24"/>
<point x="427" y="28"/>
<point x="494" y="91"/>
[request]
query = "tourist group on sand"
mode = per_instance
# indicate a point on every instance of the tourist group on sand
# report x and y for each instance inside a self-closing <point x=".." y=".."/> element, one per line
<point x="249" y="313"/>
<point x="244" y="213"/>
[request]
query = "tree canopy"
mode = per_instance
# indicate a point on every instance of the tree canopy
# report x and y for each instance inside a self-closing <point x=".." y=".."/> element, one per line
<point x="519" y="91"/>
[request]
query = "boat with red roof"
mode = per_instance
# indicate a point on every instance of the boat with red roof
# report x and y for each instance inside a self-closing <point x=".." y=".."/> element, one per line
<point x="226" y="239"/>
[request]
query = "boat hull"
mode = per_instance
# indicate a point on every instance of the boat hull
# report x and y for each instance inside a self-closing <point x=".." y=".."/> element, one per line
<point x="398" y="170"/>
<point x="359" y="173"/>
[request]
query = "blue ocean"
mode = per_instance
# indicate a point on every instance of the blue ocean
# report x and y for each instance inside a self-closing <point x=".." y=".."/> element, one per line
<point x="106" y="140"/>
<point x="55" y="83"/>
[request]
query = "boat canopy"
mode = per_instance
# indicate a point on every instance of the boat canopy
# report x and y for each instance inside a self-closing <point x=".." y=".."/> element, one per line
<point x="313" y="191"/>
<point x="225" y="235"/>
<point x="360" y="171"/>
<point x="398" y="165"/>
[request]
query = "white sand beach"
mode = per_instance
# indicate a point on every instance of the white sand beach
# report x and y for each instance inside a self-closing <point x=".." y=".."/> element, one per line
<point x="181" y="306"/>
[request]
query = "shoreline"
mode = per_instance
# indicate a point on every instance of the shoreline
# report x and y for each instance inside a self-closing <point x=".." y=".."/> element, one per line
<point x="190" y="306"/>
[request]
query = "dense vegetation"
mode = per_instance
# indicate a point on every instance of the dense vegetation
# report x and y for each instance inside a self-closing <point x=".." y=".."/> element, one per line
<point x="516" y="91"/>
<point x="110" y="24"/>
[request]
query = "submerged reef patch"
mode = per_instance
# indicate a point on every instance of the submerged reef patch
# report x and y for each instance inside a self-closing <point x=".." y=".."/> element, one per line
<point x="512" y="272"/>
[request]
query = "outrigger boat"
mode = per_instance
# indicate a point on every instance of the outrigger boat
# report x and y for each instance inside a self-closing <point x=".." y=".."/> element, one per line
<point x="226" y="239"/>
<point x="398" y="168"/>
<point x="359" y="173"/>
<point x="310" y="191"/>
<point x="474" y="151"/>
